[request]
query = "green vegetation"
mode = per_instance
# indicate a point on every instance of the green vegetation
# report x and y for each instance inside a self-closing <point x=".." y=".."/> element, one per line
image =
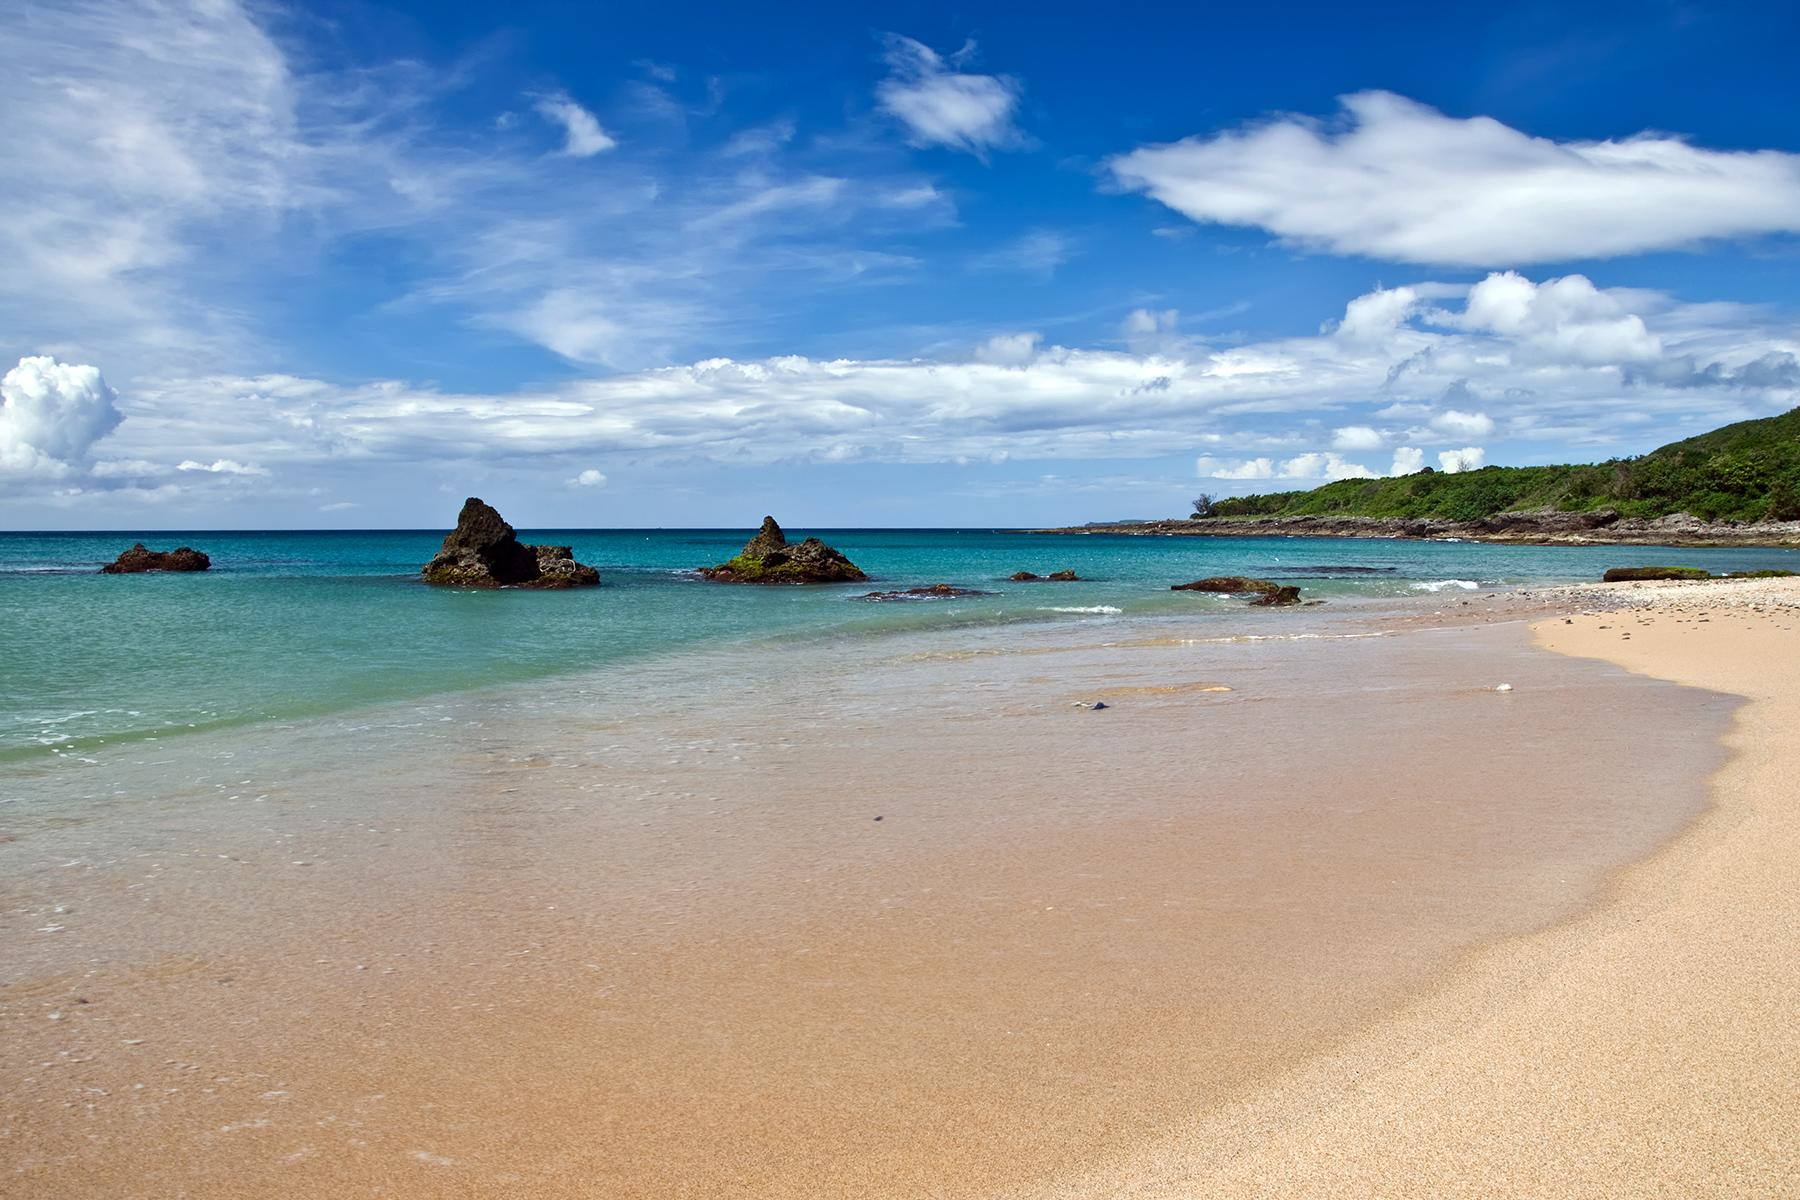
<point x="1749" y="471"/>
<point x="754" y="568"/>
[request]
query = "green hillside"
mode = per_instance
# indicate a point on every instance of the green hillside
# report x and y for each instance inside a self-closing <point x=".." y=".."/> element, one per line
<point x="1749" y="471"/>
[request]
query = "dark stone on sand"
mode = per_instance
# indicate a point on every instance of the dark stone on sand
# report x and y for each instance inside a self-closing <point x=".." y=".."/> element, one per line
<point x="1267" y="593"/>
<point x="484" y="552"/>
<point x="935" y="591"/>
<point x="1053" y="577"/>
<point x="138" y="560"/>
<point x="1628" y="574"/>
<point x="769" y="558"/>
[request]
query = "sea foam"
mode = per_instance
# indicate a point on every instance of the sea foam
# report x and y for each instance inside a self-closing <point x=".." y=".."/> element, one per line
<point x="1438" y="585"/>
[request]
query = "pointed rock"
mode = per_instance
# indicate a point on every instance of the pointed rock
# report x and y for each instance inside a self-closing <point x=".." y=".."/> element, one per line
<point x="483" y="551"/>
<point x="769" y="558"/>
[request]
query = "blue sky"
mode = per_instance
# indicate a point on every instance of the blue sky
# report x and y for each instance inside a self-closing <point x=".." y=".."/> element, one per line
<point x="655" y="264"/>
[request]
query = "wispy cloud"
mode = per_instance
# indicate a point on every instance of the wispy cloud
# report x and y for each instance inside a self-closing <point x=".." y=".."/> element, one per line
<point x="1391" y="178"/>
<point x="582" y="135"/>
<point x="942" y="105"/>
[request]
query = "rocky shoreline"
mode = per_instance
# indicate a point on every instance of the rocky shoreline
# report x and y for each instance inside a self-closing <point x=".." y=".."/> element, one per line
<point x="1545" y="527"/>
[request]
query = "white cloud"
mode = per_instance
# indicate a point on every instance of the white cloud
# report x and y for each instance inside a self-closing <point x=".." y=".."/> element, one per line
<point x="1467" y="459"/>
<point x="1408" y="460"/>
<point x="51" y="414"/>
<point x="1562" y="320"/>
<point x="1463" y="424"/>
<point x="588" y="478"/>
<point x="943" y="106"/>
<point x="582" y="135"/>
<point x="1208" y="467"/>
<point x="1009" y="349"/>
<point x="1254" y="408"/>
<point x="1397" y="180"/>
<point x="1323" y="466"/>
<point x="1356" y="437"/>
<point x="222" y="466"/>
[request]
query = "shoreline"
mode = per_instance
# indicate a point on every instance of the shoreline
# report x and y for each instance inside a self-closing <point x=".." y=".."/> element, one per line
<point x="1646" y="1046"/>
<point x="1504" y="529"/>
<point x="1044" y="844"/>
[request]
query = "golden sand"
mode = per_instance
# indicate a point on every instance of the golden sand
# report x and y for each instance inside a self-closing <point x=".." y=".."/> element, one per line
<point x="1650" y="1047"/>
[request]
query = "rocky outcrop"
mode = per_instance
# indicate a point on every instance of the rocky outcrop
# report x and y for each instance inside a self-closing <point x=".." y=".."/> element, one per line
<point x="1052" y="577"/>
<point x="1633" y="574"/>
<point x="1267" y="593"/>
<point x="935" y="591"/>
<point x="1544" y="527"/>
<point x="1628" y="574"/>
<point x="137" y="560"/>
<point x="769" y="558"/>
<point x="483" y="551"/>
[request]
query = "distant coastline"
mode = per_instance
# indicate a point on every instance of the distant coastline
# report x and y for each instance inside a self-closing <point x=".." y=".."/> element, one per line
<point x="1539" y="528"/>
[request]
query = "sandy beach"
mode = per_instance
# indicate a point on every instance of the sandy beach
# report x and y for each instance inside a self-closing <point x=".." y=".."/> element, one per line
<point x="1319" y="914"/>
<point x="1650" y="1047"/>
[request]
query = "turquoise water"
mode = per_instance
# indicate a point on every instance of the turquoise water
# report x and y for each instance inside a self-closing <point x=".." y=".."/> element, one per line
<point x="294" y="624"/>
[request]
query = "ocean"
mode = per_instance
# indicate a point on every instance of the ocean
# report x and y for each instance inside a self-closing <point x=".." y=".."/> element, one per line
<point x="292" y="625"/>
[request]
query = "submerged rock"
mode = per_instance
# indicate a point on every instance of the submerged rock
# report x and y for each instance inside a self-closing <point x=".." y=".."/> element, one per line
<point x="483" y="551"/>
<point x="1267" y="593"/>
<point x="137" y="560"/>
<point x="935" y="591"/>
<point x="768" y="558"/>
<point x="1052" y="577"/>
<point x="1627" y="574"/>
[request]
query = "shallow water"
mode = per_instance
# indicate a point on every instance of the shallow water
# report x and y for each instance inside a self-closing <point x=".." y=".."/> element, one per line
<point x="298" y="624"/>
<point x="637" y="930"/>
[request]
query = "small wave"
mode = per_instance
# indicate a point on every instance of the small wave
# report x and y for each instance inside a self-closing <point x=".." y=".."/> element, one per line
<point x="1107" y="609"/>
<point x="1438" y="585"/>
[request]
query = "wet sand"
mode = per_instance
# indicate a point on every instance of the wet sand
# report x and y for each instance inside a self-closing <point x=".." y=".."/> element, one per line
<point x="669" y="950"/>
<point x="1650" y="1047"/>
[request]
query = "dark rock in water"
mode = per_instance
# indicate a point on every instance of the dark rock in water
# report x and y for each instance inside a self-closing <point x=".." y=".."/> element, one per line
<point x="769" y="558"/>
<point x="1267" y="594"/>
<point x="483" y="551"/>
<point x="138" y="560"/>
<point x="1626" y="574"/>
<point x="1100" y="704"/>
<point x="1765" y="573"/>
<point x="1053" y="577"/>
<point x="1229" y="584"/>
<point x="936" y="591"/>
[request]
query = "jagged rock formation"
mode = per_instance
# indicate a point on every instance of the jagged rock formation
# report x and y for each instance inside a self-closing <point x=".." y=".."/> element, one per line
<point x="1267" y="594"/>
<point x="138" y="560"/>
<point x="1053" y="577"/>
<point x="768" y="558"/>
<point x="483" y="551"/>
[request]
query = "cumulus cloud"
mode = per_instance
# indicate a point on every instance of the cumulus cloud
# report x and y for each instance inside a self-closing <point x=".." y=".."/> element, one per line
<point x="1208" y="467"/>
<point x="1242" y="405"/>
<point x="1009" y="349"/>
<point x="1319" y="465"/>
<point x="1462" y="424"/>
<point x="1466" y="459"/>
<point x="582" y="135"/>
<point x="1394" y="179"/>
<point x="941" y="105"/>
<point x="1408" y="460"/>
<point x="1561" y="320"/>
<point x="588" y="479"/>
<point x="51" y="414"/>
<point x="1356" y="437"/>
